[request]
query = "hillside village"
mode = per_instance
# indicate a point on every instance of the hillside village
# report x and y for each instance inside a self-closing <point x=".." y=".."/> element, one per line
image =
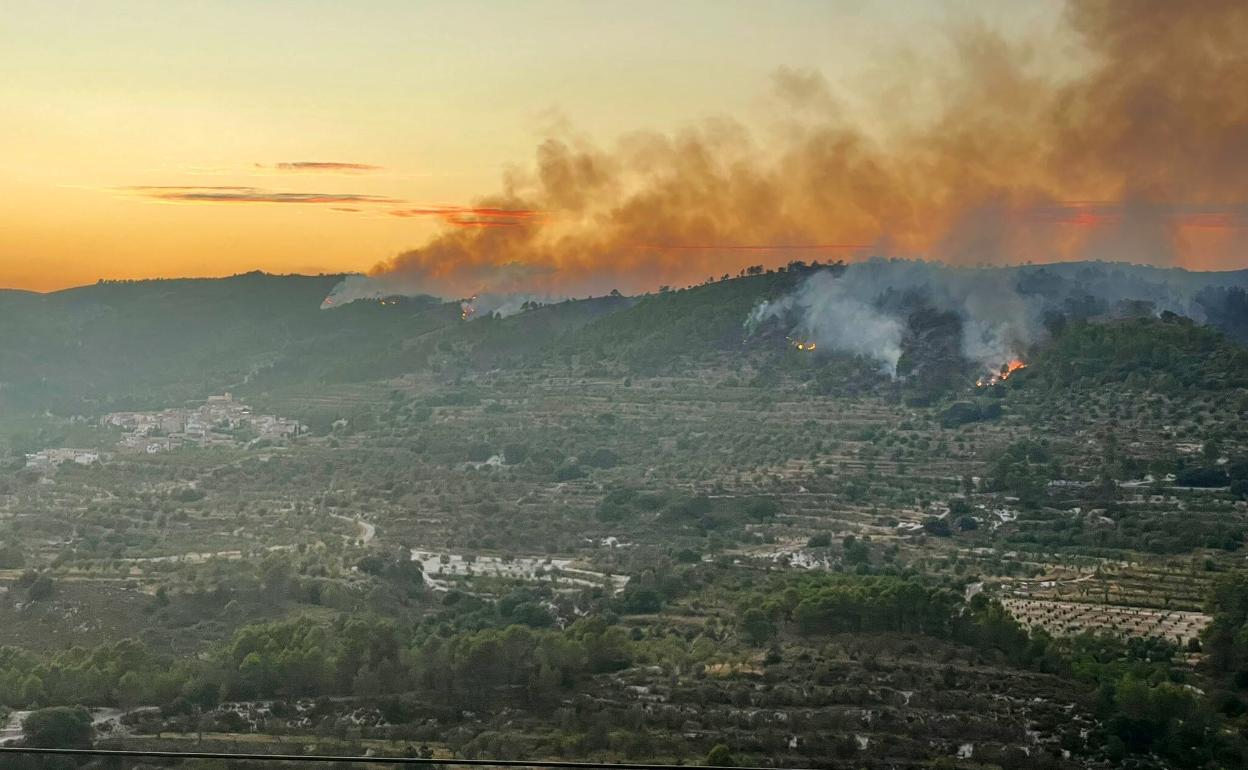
<point x="221" y="421"/>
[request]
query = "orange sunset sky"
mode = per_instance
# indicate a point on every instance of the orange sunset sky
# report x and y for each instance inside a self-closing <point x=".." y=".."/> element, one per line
<point x="650" y="141"/>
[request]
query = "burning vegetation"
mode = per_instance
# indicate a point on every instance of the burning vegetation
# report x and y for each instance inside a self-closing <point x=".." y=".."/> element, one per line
<point x="386" y="301"/>
<point x="1002" y="374"/>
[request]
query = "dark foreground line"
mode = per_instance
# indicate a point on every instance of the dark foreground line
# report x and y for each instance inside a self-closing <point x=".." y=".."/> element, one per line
<point x="362" y="760"/>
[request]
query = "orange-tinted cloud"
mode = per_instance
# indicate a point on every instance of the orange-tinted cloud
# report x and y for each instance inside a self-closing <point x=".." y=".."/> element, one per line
<point x="1092" y="214"/>
<point x="325" y="166"/>
<point x="475" y="216"/>
<point x="1150" y="131"/>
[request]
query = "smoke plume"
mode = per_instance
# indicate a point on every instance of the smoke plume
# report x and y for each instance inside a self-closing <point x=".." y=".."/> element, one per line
<point x="1140" y="155"/>
<point x="852" y="311"/>
<point x="831" y="314"/>
<point x="865" y="308"/>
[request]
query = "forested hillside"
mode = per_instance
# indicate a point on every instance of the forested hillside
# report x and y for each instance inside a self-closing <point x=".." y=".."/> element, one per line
<point x="131" y="344"/>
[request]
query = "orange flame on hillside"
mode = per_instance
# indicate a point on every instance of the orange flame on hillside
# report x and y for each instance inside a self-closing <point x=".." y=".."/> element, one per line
<point x="802" y="345"/>
<point x="1003" y="374"/>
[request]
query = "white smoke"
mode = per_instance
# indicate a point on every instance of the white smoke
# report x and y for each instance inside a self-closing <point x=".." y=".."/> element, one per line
<point x="503" y="305"/>
<point x="849" y="312"/>
<point x="998" y="323"/>
<point x="863" y="309"/>
<point x="833" y="316"/>
<point x="356" y="287"/>
<point x="363" y="287"/>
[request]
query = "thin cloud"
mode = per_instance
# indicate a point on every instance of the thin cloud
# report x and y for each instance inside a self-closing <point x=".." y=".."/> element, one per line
<point x="1094" y="214"/>
<point x="315" y="166"/>
<point x="475" y="216"/>
<point x="233" y="194"/>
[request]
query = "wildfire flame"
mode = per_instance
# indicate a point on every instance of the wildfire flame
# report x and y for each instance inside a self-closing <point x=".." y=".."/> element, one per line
<point x="1003" y="374"/>
<point x="802" y="345"/>
<point x="467" y="308"/>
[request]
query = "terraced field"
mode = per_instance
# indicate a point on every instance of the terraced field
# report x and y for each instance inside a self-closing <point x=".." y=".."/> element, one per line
<point x="1066" y="618"/>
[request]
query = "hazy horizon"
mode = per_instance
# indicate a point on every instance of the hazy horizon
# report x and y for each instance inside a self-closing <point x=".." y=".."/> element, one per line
<point x="345" y="273"/>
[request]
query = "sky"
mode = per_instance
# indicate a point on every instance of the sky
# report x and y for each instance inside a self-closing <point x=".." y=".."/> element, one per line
<point x="182" y="138"/>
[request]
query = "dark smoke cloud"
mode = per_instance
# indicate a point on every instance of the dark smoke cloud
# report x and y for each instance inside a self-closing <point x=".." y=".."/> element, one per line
<point x="1140" y="156"/>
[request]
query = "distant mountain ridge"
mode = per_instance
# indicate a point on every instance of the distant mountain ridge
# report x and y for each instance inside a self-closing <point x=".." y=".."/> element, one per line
<point x="133" y="344"/>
